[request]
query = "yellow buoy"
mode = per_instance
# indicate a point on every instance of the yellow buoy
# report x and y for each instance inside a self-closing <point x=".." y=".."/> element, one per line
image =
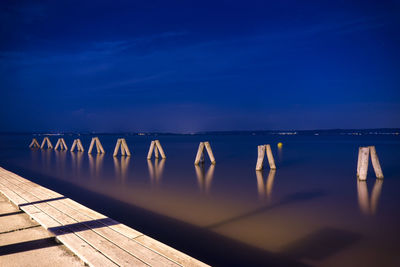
<point x="280" y="145"/>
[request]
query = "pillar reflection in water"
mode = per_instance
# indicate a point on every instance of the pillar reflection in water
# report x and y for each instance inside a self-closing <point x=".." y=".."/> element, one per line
<point x="46" y="159"/>
<point x="280" y="153"/>
<point x="265" y="190"/>
<point x="156" y="170"/>
<point x="204" y="179"/>
<point x="60" y="158"/>
<point x="121" y="167"/>
<point x="76" y="163"/>
<point x="34" y="156"/>
<point x="367" y="206"/>
<point x="96" y="164"/>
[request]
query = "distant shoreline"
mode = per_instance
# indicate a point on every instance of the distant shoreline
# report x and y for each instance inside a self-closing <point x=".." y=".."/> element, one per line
<point x="375" y="131"/>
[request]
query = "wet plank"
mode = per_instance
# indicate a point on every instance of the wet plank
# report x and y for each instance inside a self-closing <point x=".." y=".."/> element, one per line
<point x="95" y="238"/>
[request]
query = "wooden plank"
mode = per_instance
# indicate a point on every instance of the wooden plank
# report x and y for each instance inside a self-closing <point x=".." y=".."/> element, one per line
<point x="14" y="198"/>
<point x="132" y="247"/>
<point x="82" y="249"/>
<point x="74" y="215"/>
<point x="171" y="253"/>
<point x="109" y="249"/>
<point x="121" y="228"/>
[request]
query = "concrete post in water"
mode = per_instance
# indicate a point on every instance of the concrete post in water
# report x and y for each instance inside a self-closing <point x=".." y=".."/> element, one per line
<point x="375" y="162"/>
<point x="160" y="149"/>
<point x="200" y="153"/>
<point x="260" y="158"/>
<point x="34" y="144"/>
<point x="117" y="147"/>
<point x="99" y="147"/>
<point x="363" y="168"/>
<point x="359" y="162"/>
<point x="157" y="148"/>
<point x="150" y="150"/>
<point x="45" y="141"/>
<point x="209" y="152"/>
<point x="61" y="143"/>
<point x="91" y="145"/>
<point x="270" y="157"/>
<point x="73" y="145"/>
<point x="121" y="143"/>
<point x="122" y="148"/>
<point x="77" y="143"/>
<point x="64" y="144"/>
<point x="362" y="163"/>
<point x="80" y="146"/>
<point x="125" y="145"/>
<point x="262" y="150"/>
<point x="57" y="144"/>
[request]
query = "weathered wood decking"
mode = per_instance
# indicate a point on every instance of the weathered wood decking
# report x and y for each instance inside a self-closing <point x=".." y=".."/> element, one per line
<point x="95" y="238"/>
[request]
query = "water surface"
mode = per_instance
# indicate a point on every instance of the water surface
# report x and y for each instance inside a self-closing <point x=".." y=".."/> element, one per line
<point x="311" y="210"/>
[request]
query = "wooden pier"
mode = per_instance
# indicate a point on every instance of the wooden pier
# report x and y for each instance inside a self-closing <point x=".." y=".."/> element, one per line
<point x="94" y="238"/>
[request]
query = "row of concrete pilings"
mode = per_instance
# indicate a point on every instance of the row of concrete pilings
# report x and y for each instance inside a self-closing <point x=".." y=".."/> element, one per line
<point x="364" y="153"/>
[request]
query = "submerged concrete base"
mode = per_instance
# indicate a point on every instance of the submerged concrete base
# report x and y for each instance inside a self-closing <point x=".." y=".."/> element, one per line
<point x="23" y="242"/>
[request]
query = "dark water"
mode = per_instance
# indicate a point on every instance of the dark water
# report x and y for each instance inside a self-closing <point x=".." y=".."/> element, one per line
<point x="311" y="211"/>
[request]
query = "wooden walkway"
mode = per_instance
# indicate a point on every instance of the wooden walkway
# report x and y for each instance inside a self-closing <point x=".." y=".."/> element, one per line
<point x="93" y="237"/>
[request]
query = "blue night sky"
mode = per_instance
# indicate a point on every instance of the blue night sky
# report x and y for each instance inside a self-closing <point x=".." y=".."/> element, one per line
<point x="186" y="66"/>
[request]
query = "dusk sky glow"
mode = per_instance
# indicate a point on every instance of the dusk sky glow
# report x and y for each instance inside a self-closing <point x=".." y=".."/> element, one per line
<point x="186" y="66"/>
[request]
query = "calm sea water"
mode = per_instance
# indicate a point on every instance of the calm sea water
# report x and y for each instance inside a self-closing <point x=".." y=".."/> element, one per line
<point x="310" y="211"/>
